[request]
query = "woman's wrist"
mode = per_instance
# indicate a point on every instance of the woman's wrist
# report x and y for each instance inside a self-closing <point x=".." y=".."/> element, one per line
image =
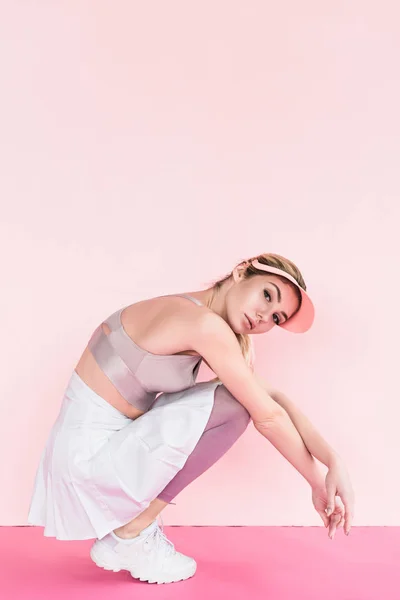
<point x="319" y="479"/>
<point x="334" y="459"/>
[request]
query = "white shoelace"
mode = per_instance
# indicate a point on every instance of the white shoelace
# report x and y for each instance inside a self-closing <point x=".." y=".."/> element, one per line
<point x="159" y="538"/>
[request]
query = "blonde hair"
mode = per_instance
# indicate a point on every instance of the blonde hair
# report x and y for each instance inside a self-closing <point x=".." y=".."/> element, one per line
<point x="272" y="260"/>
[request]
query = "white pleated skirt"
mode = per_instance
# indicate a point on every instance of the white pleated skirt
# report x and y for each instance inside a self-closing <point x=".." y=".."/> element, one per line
<point x="99" y="469"/>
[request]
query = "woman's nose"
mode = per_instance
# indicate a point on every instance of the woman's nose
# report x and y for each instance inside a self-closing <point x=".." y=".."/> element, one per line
<point x="263" y="319"/>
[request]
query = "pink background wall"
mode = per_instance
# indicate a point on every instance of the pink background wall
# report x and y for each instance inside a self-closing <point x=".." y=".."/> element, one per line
<point x="146" y="148"/>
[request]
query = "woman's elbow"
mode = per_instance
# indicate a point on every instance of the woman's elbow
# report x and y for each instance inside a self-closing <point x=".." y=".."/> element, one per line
<point x="275" y="414"/>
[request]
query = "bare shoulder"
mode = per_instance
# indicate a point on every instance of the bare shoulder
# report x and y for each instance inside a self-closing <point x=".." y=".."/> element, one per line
<point x="163" y="325"/>
<point x="177" y="325"/>
<point x="210" y="326"/>
<point x="216" y="342"/>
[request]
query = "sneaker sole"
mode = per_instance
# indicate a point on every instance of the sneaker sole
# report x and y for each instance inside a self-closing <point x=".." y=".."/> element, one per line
<point x="109" y="564"/>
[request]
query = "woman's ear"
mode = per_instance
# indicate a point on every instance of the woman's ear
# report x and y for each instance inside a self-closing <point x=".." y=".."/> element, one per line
<point x="236" y="274"/>
<point x="238" y="271"/>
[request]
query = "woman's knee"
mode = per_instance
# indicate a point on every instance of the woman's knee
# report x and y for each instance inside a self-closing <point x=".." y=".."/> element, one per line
<point x="228" y="408"/>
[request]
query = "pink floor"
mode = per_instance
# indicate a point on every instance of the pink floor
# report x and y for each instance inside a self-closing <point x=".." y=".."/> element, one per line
<point x="271" y="563"/>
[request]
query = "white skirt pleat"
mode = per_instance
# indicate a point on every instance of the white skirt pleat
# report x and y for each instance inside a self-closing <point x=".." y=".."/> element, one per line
<point x="99" y="469"/>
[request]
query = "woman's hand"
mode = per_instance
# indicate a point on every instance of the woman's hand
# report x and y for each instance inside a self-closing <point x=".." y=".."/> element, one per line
<point x="337" y="483"/>
<point x="320" y="501"/>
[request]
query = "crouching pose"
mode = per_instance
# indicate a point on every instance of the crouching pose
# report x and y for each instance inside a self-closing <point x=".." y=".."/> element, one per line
<point x="134" y="427"/>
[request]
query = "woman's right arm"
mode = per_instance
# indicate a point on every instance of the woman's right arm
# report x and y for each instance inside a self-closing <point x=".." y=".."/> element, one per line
<point x="215" y="341"/>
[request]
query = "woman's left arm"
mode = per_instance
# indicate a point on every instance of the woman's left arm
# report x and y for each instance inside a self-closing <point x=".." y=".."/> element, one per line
<point x="314" y="442"/>
<point x="337" y="481"/>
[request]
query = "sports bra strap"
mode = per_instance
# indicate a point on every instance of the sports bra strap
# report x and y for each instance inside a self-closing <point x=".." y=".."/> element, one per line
<point x="114" y="320"/>
<point x="189" y="298"/>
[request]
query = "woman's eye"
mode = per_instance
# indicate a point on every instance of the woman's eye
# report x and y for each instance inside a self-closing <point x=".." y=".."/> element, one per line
<point x="275" y="314"/>
<point x="268" y="294"/>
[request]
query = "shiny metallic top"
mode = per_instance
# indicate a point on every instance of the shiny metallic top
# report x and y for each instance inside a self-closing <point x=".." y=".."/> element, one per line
<point x="138" y="374"/>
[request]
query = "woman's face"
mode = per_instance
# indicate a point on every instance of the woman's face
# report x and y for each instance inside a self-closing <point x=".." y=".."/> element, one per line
<point x="264" y="299"/>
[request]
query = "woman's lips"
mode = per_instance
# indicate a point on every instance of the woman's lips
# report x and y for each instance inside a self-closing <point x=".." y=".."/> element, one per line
<point x="248" y="322"/>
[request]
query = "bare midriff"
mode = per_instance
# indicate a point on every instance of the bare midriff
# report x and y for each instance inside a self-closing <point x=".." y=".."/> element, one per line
<point x="148" y="337"/>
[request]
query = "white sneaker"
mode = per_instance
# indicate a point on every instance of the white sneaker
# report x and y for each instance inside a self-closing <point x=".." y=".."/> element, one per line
<point x="150" y="556"/>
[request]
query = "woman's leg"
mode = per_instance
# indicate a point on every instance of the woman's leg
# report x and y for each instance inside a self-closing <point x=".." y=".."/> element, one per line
<point x="228" y="421"/>
<point x="134" y="527"/>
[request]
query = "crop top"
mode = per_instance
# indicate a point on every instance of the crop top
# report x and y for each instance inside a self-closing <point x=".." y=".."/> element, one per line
<point x="137" y="374"/>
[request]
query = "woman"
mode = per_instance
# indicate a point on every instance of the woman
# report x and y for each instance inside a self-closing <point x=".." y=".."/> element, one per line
<point x="118" y="454"/>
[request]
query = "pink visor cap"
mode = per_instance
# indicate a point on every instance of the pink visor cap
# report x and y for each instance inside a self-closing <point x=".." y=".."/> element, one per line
<point x="303" y="319"/>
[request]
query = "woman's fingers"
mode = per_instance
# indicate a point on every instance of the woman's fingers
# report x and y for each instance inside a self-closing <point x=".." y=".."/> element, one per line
<point x="349" y="507"/>
<point x="337" y="518"/>
<point x="324" y="518"/>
